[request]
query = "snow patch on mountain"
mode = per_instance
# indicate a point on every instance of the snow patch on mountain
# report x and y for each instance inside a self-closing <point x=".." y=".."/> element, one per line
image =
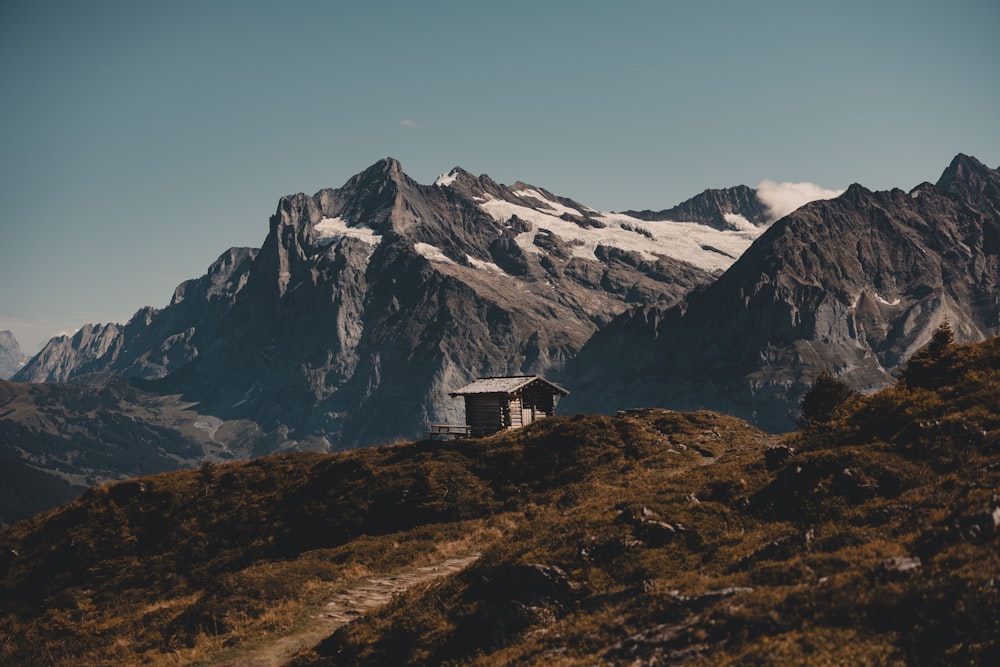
<point x="686" y="241"/>
<point x="328" y="230"/>
<point x="881" y="299"/>
<point x="444" y="180"/>
<point x="432" y="253"/>
<point x="486" y="266"/>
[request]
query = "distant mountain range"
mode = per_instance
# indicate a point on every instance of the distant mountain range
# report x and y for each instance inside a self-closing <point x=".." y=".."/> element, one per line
<point x="367" y="304"/>
<point x="11" y="357"/>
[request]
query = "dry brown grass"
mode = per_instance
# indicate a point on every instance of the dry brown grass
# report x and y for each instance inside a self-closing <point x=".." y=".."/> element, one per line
<point x="673" y="539"/>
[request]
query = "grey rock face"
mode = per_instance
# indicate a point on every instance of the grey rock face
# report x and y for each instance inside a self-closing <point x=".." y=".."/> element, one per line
<point x="852" y="286"/>
<point x="11" y="356"/>
<point x="65" y="357"/>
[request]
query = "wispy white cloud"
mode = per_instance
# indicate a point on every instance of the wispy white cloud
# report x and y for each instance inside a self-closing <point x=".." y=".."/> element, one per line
<point x="406" y="122"/>
<point x="783" y="198"/>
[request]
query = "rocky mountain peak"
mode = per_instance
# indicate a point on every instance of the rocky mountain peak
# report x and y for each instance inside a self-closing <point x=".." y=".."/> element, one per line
<point x="217" y="283"/>
<point x="856" y="192"/>
<point x="7" y="339"/>
<point x="455" y="174"/>
<point x="386" y="169"/>
<point x="963" y="168"/>
<point x="462" y="183"/>
<point x="971" y="180"/>
<point x="726" y="208"/>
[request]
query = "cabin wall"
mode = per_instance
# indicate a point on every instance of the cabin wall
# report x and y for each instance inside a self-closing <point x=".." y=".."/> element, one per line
<point x="487" y="413"/>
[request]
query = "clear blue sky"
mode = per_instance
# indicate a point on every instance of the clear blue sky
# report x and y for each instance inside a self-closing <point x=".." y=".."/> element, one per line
<point x="139" y="140"/>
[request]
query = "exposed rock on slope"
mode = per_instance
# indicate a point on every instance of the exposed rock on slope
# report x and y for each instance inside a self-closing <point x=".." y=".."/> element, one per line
<point x="852" y="286"/>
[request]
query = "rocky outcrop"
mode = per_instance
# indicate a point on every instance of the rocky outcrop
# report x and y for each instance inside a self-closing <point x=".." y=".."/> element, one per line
<point x="851" y="286"/>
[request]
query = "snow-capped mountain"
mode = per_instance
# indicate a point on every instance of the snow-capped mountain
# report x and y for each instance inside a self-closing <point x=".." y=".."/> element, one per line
<point x="367" y="303"/>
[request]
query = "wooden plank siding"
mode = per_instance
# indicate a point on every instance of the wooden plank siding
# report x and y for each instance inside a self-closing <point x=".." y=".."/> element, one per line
<point x="486" y="413"/>
<point x="515" y="412"/>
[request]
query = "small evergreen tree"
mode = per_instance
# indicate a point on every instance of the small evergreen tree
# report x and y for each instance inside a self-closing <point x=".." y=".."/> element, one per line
<point x="826" y="399"/>
<point x="941" y="341"/>
<point x="924" y="367"/>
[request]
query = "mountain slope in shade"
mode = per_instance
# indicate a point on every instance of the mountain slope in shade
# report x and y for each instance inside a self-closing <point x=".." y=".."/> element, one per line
<point x="367" y="303"/>
<point x="26" y="491"/>
<point x="851" y="286"/>
<point x="56" y="440"/>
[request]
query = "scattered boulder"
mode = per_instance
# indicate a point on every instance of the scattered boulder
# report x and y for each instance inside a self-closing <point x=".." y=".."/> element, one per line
<point x="901" y="564"/>
<point x="775" y="457"/>
<point x="647" y="526"/>
<point x="536" y="582"/>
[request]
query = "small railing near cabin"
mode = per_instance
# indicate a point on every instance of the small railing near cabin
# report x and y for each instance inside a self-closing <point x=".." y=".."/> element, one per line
<point x="446" y="431"/>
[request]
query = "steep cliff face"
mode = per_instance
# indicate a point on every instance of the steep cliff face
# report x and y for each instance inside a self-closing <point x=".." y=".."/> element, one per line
<point x="367" y="303"/>
<point x="851" y="286"/>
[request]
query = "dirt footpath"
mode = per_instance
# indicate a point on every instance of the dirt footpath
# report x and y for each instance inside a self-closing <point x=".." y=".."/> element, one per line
<point x="346" y="606"/>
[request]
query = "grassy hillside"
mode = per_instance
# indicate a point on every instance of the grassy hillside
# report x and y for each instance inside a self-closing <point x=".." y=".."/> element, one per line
<point x="868" y="537"/>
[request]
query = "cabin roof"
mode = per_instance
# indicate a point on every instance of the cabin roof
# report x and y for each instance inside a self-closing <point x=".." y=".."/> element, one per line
<point x="504" y="385"/>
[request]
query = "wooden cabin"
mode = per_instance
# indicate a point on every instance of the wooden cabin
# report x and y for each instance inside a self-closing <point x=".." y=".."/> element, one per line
<point x="497" y="403"/>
